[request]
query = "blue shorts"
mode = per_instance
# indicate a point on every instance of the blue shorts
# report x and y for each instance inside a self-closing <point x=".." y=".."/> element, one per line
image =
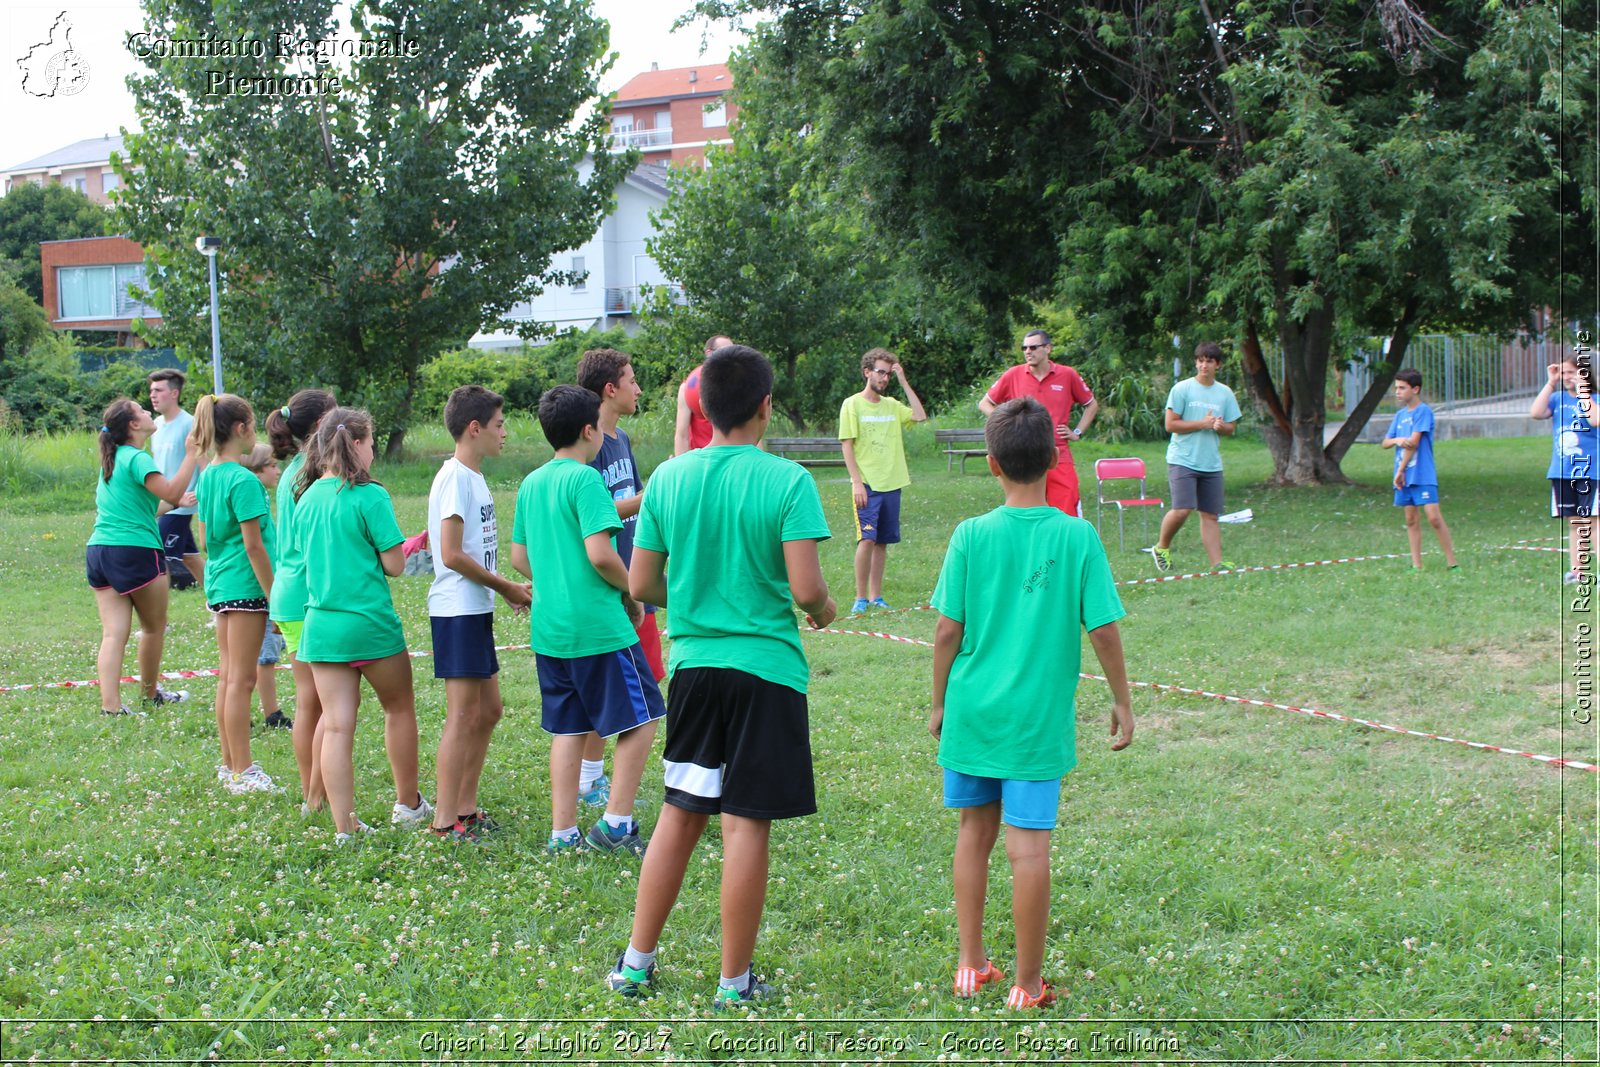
<point x="272" y="646"/>
<point x="1574" y="498"/>
<point x="177" y="534"/>
<point x="1416" y="495"/>
<point x="463" y="646"/>
<point x="1025" y="805"/>
<point x="880" y="520"/>
<point x="123" y="568"/>
<point x="610" y="693"/>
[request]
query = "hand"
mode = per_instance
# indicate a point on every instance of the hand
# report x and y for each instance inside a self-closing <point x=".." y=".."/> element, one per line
<point x="818" y="619"/>
<point x="1553" y="372"/>
<point x="936" y="721"/>
<point x="1211" y="418"/>
<point x="518" y="594"/>
<point x="188" y="499"/>
<point x="1063" y="431"/>
<point x="634" y="609"/>
<point x="190" y="445"/>
<point x="1400" y="478"/>
<point x="1121" y="727"/>
<point x="858" y="493"/>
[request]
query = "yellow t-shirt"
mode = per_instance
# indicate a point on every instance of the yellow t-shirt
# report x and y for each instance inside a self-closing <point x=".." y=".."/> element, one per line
<point x="880" y="450"/>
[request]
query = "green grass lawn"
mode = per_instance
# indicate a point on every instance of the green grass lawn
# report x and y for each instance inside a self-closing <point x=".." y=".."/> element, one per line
<point x="1241" y="884"/>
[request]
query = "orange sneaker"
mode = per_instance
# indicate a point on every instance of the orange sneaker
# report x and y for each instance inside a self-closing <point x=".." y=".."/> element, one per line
<point x="1021" y="1000"/>
<point x="970" y="979"/>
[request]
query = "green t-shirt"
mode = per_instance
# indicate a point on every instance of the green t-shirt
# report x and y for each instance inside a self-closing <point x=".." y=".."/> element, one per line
<point x="125" y="511"/>
<point x="227" y="496"/>
<point x="721" y="516"/>
<point x="1199" y="450"/>
<point x="880" y="450"/>
<point x="1021" y="581"/>
<point x="288" y="562"/>
<point x="340" y="530"/>
<point x="575" y="612"/>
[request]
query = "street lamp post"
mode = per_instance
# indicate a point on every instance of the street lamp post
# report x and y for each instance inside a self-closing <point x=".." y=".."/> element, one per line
<point x="208" y="247"/>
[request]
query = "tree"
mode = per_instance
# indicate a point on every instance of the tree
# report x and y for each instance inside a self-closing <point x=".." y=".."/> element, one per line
<point x="367" y="226"/>
<point x="32" y="213"/>
<point x="1265" y="169"/>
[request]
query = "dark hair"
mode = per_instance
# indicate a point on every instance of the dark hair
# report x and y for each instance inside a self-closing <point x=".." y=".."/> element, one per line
<point x="1585" y="365"/>
<point x="171" y="376"/>
<point x="601" y="367"/>
<point x="1037" y="333"/>
<point x="1409" y="376"/>
<point x="870" y="357"/>
<point x="1021" y="439"/>
<point x="290" y="425"/>
<point x="1208" y="350"/>
<point x="469" y="404"/>
<point x="216" y="416"/>
<point x="564" y="411"/>
<point x="709" y="347"/>
<point x="331" y="449"/>
<point x="733" y="382"/>
<point x="116" y="425"/>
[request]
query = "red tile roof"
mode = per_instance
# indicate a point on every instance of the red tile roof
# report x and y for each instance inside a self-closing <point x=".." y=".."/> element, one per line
<point x="658" y="84"/>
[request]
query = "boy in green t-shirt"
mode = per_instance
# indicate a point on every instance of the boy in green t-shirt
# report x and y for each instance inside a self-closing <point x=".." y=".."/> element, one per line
<point x="727" y="541"/>
<point x="593" y="675"/>
<point x="1011" y="580"/>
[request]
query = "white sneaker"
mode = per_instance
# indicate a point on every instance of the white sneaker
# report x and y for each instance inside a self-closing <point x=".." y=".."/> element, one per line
<point x="257" y="780"/>
<point x="345" y="839"/>
<point x="237" y="784"/>
<point x="223" y="774"/>
<point x="420" y="815"/>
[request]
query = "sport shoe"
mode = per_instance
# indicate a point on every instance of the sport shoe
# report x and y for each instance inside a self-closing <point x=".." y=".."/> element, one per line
<point x="362" y="829"/>
<point x="479" y="823"/>
<point x="120" y="709"/>
<point x="1224" y="566"/>
<point x="860" y="606"/>
<point x="879" y="603"/>
<point x="278" y="720"/>
<point x="257" y="781"/>
<point x="597" y="794"/>
<point x="602" y="837"/>
<point x="167" y="696"/>
<point x="970" y="979"/>
<point x="1570" y="578"/>
<point x="627" y="981"/>
<point x="458" y="834"/>
<point x="1020" y="1000"/>
<point x="1162" y="556"/>
<point x="417" y="816"/>
<point x="732" y="998"/>
<point x="563" y="846"/>
<point x="223" y="774"/>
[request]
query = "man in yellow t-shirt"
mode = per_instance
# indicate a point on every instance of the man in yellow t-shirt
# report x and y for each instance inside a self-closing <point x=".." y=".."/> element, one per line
<point x="870" y="426"/>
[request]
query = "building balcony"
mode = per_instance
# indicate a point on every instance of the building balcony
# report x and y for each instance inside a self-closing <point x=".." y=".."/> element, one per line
<point x="627" y="300"/>
<point x="623" y="140"/>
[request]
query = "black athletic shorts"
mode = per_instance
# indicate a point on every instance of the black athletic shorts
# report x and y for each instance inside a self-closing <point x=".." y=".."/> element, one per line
<point x="123" y="567"/>
<point x="177" y="534"/>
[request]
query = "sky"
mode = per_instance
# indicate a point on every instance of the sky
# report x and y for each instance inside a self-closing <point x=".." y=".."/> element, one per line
<point x="33" y="125"/>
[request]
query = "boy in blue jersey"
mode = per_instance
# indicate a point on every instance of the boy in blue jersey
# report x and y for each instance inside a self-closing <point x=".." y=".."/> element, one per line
<point x="1568" y="400"/>
<point x="1416" y="482"/>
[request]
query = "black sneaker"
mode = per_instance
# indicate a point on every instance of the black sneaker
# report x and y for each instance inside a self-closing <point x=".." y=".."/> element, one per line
<point x="166" y="696"/>
<point x="278" y="720"/>
<point x="733" y="998"/>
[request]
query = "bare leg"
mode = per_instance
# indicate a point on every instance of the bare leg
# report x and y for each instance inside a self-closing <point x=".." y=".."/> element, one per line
<point x="864" y="567"/>
<point x="490" y="710"/>
<point x="197" y="567"/>
<point x="633" y="749"/>
<point x="744" y="888"/>
<point x="463" y="699"/>
<point x="390" y="679"/>
<point x="1171" y="523"/>
<point x="239" y="637"/>
<point x="267" y="686"/>
<point x="339" y="691"/>
<point x="1029" y="853"/>
<point x="661" y="874"/>
<point x="880" y="556"/>
<point x="980" y="826"/>
<point x="307" y="714"/>
<point x="150" y="603"/>
<point x="1211" y="537"/>
<point x="116" y="620"/>
<point x="1440" y="530"/>
<point x="566" y="750"/>
<point x="1414" y="535"/>
<point x="222" y="690"/>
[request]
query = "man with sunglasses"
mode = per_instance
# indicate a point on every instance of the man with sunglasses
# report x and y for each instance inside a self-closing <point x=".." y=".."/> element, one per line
<point x="1059" y="388"/>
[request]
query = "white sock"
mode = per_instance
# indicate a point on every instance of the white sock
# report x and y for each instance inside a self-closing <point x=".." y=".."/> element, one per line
<point x="619" y="822"/>
<point x="591" y="770"/>
<point x="564" y="835"/>
<point x="639" y="961"/>
<point x="740" y="982"/>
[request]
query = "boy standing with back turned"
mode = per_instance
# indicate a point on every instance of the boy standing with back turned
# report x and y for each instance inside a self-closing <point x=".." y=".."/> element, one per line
<point x="738" y="529"/>
<point x="1011" y="580"/>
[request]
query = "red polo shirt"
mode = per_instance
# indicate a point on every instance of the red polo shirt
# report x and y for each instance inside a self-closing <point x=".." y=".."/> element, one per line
<point x="1058" y="391"/>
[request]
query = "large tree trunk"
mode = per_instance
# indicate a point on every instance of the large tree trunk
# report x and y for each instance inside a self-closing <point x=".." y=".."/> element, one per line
<point x="1382" y="379"/>
<point x="1298" y="455"/>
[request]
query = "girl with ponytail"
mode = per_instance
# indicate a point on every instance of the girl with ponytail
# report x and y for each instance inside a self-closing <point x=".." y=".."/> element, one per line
<point x="346" y="530"/>
<point x="125" y="564"/>
<point x="232" y="507"/>
<point x="289" y="428"/>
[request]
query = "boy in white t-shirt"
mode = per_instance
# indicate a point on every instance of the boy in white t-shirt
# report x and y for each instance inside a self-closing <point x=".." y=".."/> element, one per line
<point x="465" y="542"/>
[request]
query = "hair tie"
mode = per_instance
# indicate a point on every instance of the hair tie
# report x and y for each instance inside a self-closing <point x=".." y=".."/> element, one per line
<point x="284" y="411"/>
<point x="339" y="427"/>
<point x="105" y="429"/>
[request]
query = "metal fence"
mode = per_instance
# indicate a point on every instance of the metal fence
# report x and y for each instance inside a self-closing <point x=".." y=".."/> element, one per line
<point x="1465" y="374"/>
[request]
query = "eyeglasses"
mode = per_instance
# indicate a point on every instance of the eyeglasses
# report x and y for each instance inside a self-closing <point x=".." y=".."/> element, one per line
<point x="1030" y="348"/>
<point x="878" y="370"/>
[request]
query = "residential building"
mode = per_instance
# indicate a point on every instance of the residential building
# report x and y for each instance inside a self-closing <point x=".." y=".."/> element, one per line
<point x="672" y="115"/>
<point x="86" y="285"/>
<point x="84" y="166"/>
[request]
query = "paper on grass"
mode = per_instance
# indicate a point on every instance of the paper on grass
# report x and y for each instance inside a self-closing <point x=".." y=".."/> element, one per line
<point x="1237" y="516"/>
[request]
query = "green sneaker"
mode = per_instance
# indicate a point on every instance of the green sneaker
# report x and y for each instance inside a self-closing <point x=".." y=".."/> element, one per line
<point x="732" y="998"/>
<point x="1162" y="556"/>
<point x="564" y="846"/>
<point x="602" y="838"/>
<point x="626" y="981"/>
<point x="1224" y="567"/>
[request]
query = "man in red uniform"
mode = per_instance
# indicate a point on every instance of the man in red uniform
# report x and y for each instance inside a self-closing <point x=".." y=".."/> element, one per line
<point x="693" y="429"/>
<point x="1058" y="387"/>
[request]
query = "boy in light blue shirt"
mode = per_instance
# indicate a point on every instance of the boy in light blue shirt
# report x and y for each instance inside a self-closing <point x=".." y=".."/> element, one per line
<point x="1200" y="411"/>
<point x="1416" y="481"/>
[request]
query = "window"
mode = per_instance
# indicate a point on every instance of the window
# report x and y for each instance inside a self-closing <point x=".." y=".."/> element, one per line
<point x="101" y="292"/>
<point x="622" y="124"/>
<point x="109" y="181"/>
<point x="80" y="183"/>
<point x="714" y="115"/>
<point x="581" y="284"/>
<point x="663" y="120"/>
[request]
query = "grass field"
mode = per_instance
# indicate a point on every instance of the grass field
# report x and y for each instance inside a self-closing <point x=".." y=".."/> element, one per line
<point x="1242" y="884"/>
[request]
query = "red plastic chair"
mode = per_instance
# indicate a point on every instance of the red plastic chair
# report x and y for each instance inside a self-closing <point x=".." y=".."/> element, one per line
<point x="1122" y="470"/>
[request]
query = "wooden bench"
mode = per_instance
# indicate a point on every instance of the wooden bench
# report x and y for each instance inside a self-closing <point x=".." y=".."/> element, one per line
<point x="952" y="442"/>
<point x="807" y="447"/>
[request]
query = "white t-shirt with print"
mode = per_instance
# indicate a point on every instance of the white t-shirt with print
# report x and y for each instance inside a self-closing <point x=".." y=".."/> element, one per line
<point x="458" y="490"/>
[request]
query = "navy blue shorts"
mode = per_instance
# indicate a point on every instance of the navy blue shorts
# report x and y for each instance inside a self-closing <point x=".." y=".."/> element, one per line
<point x="123" y="568"/>
<point x="177" y="534"/>
<point x="737" y="744"/>
<point x="610" y="693"/>
<point x="1574" y="498"/>
<point x="463" y="646"/>
<point x="880" y="520"/>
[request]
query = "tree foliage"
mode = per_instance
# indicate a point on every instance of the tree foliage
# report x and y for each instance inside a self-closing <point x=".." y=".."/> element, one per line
<point x="1232" y="170"/>
<point x="367" y="230"/>
<point x="32" y="213"/>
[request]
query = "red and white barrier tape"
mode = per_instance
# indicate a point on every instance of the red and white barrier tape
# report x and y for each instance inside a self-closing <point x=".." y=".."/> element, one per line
<point x="1252" y="570"/>
<point x="1554" y="761"/>
<point x="1533" y="548"/>
<point x="1535" y="540"/>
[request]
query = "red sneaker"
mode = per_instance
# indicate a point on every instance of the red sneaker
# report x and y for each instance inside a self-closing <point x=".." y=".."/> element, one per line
<point x="970" y="979"/>
<point x="1021" y="1000"/>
